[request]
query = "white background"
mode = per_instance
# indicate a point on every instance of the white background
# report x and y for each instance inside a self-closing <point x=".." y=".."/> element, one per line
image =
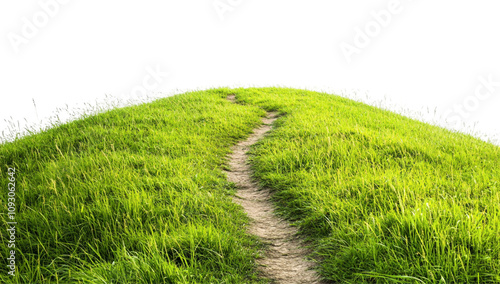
<point x="425" y="56"/>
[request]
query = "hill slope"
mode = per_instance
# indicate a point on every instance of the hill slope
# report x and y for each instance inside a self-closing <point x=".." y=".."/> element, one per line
<point x="139" y="195"/>
<point x="382" y="196"/>
<point x="132" y="195"/>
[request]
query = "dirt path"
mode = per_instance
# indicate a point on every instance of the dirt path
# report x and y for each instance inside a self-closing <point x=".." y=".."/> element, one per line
<point x="284" y="261"/>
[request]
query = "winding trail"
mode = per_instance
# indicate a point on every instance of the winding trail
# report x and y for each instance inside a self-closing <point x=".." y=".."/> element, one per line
<point x="284" y="261"/>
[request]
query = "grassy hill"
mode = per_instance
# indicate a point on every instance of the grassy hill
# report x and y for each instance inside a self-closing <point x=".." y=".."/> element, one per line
<point x="138" y="194"/>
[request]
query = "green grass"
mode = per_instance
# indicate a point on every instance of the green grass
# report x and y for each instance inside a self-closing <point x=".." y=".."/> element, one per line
<point x="138" y="194"/>
<point x="383" y="198"/>
<point x="133" y="195"/>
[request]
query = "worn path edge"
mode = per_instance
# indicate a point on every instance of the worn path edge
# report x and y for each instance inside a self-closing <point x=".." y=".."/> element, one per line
<point x="285" y="259"/>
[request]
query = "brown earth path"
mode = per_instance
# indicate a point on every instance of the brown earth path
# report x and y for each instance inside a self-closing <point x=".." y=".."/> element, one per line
<point x="285" y="259"/>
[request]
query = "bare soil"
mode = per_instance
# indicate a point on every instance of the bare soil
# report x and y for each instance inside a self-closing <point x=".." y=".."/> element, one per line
<point x="285" y="259"/>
